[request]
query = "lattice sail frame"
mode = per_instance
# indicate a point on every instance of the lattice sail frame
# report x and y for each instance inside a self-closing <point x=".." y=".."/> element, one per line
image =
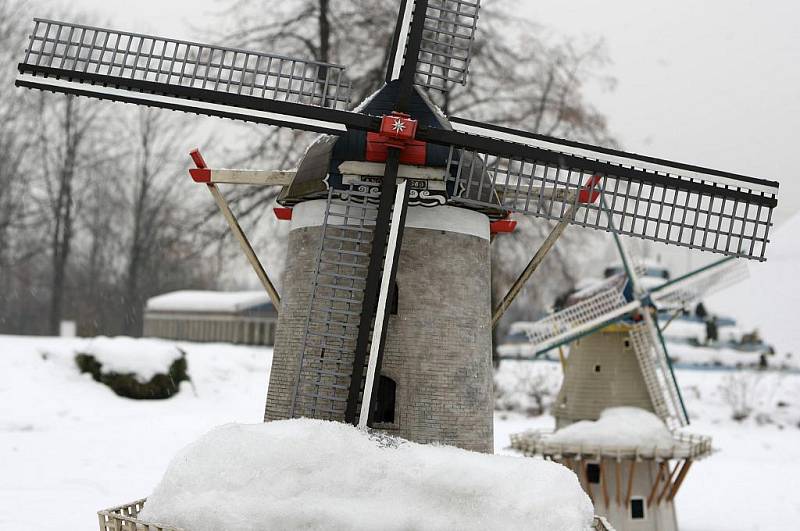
<point x="330" y="334"/>
<point x="657" y="374"/>
<point x="678" y="206"/>
<point x="62" y="47"/>
<point x="694" y="287"/>
<point x="564" y="326"/>
<point x="446" y="46"/>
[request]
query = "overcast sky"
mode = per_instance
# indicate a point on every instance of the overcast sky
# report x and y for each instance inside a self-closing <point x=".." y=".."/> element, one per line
<point x="712" y="82"/>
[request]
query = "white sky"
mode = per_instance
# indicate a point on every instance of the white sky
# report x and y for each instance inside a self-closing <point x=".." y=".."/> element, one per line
<point x="714" y="83"/>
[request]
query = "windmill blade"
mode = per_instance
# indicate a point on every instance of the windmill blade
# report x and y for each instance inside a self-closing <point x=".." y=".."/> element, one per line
<point x="579" y="319"/>
<point x="441" y="49"/>
<point x="693" y="287"/>
<point x="657" y="372"/>
<point x="648" y="198"/>
<point x="188" y="76"/>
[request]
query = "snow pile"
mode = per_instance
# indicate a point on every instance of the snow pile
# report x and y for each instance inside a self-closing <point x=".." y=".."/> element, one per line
<point x="207" y="301"/>
<point x="620" y="427"/>
<point x="310" y="474"/>
<point x="125" y="355"/>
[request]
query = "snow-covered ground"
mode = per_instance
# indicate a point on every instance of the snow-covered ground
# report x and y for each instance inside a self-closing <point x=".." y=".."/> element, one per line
<point x="69" y="446"/>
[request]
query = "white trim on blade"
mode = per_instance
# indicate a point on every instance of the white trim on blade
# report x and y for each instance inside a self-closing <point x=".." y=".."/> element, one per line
<point x="200" y="105"/>
<point x="400" y="52"/>
<point x="603" y="157"/>
<point x="383" y="299"/>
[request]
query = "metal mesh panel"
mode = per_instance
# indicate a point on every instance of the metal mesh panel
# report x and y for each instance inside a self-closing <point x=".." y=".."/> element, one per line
<point x="656" y="373"/>
<point x="329" y="340"/>
<point x="446" y="46"/>
<point x="562" y="326"/>
<point x="728" y="217"/>
<point x="693" y="288"/>
<point x="124" y="56"/>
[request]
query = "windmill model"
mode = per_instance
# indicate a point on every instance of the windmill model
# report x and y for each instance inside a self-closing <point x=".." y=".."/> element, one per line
<point x="617" y="358"/>
<point x="385" y="318"/>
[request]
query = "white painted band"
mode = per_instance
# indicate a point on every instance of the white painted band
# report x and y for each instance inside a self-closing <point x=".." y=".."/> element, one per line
<point x="445" y="217"/>
<point x="603" y="157"/>
<point x="244" y="113"/>
<point x="403" y="40"/>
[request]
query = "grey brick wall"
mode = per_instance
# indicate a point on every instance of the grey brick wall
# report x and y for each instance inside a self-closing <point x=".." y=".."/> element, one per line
<point x="438" y="347"/>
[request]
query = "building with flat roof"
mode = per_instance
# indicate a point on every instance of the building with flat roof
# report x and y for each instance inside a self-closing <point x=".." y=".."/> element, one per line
<point x="243" y="317"/>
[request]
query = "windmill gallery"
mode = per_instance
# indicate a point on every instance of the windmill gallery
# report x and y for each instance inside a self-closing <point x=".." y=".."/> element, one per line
<point x="385" y="317"/>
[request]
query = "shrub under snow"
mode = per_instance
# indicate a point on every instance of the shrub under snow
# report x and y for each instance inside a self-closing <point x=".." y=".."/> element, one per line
<point x="135" y="368"/>
<point x="314" y="474"/>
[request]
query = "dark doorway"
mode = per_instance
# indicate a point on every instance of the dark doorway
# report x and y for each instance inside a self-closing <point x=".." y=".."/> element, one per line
<point x="395" y="297"/>
<point x="593" y="472"/>
<point x="637" y="508"/>
<point x="384" y="403"/>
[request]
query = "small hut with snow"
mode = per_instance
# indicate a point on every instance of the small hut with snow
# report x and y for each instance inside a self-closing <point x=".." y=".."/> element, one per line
<point x="243" y="317"/>
<point x="627" y="461"/>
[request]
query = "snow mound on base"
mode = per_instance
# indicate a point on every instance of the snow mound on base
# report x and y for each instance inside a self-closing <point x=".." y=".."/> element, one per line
<point x="311" y="474"/>
<point x="624" y="427"/>
<point x="143" y="357"/>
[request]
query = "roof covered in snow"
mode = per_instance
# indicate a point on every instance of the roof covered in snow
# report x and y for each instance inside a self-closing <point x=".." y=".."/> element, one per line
<point x="312" y="474"/>
<point x="619" y="432"/>
<point x="207" y="301"/>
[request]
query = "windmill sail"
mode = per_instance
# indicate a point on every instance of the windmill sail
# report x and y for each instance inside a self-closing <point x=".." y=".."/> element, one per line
<point x="692" y="287"/>
<point x="443" y="49"/>
<point x="648" y="198"/>
<point x="187" y="76"/>
<point x="579" y="319"/>
<point x="657" y="373"/>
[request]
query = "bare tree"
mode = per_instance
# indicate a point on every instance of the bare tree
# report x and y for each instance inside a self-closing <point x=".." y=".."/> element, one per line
<point x="65" y="127"/>
<point x="156" y="221"/>
<point x="15" y="144"/>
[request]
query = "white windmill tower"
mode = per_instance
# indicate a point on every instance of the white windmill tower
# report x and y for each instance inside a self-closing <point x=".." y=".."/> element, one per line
<point x="619" y="409"/>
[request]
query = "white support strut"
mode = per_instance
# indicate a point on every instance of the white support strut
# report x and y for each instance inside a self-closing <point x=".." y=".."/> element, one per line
<point x="246" y="247"/>
<point x="254" y="177"/>
<point x="383" y="299"/>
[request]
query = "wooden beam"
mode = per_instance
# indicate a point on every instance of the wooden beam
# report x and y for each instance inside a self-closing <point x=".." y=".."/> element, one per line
<point x="255" y="177"/>
<point x="668" y="484"/>
<point x="604" y="481"/>
<point x="246" y="247"/>
<point x="679" y="480"/>
<point x="630" y="482"/>
<point x="618" y="481"/>
<point x="547" y="193"/>
<point x="535" y="262"/>
<point x="585" y="476"/>
<point x="656" y="483"/>
<point x="405" y="171"/>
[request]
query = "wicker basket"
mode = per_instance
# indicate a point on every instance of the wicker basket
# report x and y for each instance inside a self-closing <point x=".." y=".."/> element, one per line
<point x="123" y="518"/>
<point x="601" y="524"/>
